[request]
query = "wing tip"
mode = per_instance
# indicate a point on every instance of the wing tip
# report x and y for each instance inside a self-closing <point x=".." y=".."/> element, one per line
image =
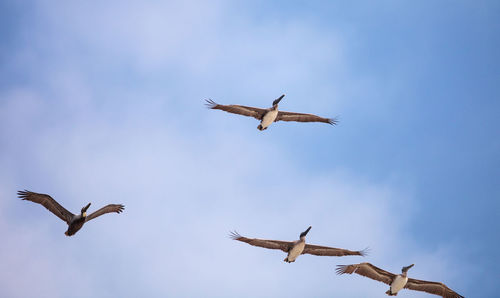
<point x="121" y="207"/>
<point x="234" y="235"/>
<point x="210" y="103"/>
<point x="333" y="121"/>
<point x="365" y="252"/>
<point x="341" y="269"/>
<point x="23" y="194"/>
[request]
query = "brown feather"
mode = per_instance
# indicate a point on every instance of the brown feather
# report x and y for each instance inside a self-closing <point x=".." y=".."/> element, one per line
<point x="47" y="202"/>
<point x="237" y="109"/>
<point x="118" y="208"/>
<point x="300" y="117"/>
<point x="431" y="287"/>
<point x="330" y="251"/>
<point x="367" y="270"/>
<point x="270" y="244"/>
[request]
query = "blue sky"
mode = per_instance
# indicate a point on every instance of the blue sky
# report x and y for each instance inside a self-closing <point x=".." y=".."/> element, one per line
<point x="103" y="103"/>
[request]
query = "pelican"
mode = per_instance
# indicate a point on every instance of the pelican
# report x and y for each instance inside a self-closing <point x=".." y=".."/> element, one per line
<point x="75" y="221"/>
<point x="398" y="281"/>
<point x="270" y="115"/>
<point x="295" y="248"/>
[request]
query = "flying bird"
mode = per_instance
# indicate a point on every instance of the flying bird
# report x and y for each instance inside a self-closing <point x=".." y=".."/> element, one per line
<point x="295" y="248"/>
<point x="270" y="115"/>
<point x="398" y="281"/>
<point x="74" y="221"/>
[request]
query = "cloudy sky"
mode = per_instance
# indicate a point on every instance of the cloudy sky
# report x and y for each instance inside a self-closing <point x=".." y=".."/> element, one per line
<point x="102" y="102"/>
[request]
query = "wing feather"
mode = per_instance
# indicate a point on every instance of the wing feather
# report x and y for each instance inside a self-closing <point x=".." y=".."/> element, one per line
<point x="47" y="202"/>
<point x="236" y="109"/>
<point x="118" y="208"/>
<point x="270" y="244"/>
<point x="300" y="117"/>
<point x="367" y="270"/>
<point x="331" y="251"/>
<point x="432" y="287"/>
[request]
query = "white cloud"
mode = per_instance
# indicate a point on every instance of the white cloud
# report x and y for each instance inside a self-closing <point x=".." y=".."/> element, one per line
<point x="183" y="194"/>
<point x="187" y="176"/>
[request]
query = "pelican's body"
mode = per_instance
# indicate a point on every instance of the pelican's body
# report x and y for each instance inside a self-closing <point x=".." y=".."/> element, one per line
<point x="268" y="118"/>
<point x="76" y="224"/>
<point x="75" y="221"/>
<point x="270" y="115"/>
<point x="296" y="248"/>
<point x="296" y="251"/>
<point x="398" y="281"/>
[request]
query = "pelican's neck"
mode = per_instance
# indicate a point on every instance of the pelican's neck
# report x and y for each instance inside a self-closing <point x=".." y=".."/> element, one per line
<point x="274" y="108"/>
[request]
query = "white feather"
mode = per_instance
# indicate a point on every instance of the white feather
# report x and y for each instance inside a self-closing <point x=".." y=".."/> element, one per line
<point x="296" y="251"/>
<point x="269" y="118"/>
<point x="398" y="283"/>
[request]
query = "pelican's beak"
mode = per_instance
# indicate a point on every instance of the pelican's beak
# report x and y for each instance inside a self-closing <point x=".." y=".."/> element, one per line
<point x="84" y="209"/>
<point x="303" y="234"/>
<point x="277" y="100"/>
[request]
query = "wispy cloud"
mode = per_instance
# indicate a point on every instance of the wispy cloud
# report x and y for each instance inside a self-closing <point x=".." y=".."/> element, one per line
<point x="109" y="110"/>
<point x="183" y="194"/>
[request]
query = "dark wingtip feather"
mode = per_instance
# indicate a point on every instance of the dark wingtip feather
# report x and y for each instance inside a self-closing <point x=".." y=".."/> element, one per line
<point x="22" y="194"/>
<point x="341" y="269"/>
<point x="234" y="235"/>
<point x="120" y="208"/>
<point x="210" y="103"/>
<point x="365" y="252"/>
<point x="333" y="121"/>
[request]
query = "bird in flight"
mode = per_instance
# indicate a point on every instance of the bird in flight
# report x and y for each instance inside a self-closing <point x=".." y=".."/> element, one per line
<point x="398" y="281"/>
<point x="295" y="248"/>
<point x="75" y="221"/>
<point x="270" y="115"/>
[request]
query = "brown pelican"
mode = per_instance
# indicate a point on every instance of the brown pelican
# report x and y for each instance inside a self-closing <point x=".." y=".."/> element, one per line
<point x="74" y="221"/>
<point x="398" y="281"/>
<point x="295" y="248"/>
<point x="268" y="116"/>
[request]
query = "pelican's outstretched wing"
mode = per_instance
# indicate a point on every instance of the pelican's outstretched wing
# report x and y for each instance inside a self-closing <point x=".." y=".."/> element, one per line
<point x="368" y="270"/>
<point x="235" y="109"/>
<point x="331" y="251"/>
<point x="300" y="117"/>
<point x="271" y="244"/>
<point x="431" y="287"/>
<point x="118" y="208"/>
<point x="47" y="202"/>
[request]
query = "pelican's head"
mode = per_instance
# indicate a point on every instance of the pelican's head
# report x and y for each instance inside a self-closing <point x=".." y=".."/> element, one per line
<point x="277" y="101"/>
<point x="84" y="210"/>
<point x="303" y="234"/>
<point x="405" y="269"/>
